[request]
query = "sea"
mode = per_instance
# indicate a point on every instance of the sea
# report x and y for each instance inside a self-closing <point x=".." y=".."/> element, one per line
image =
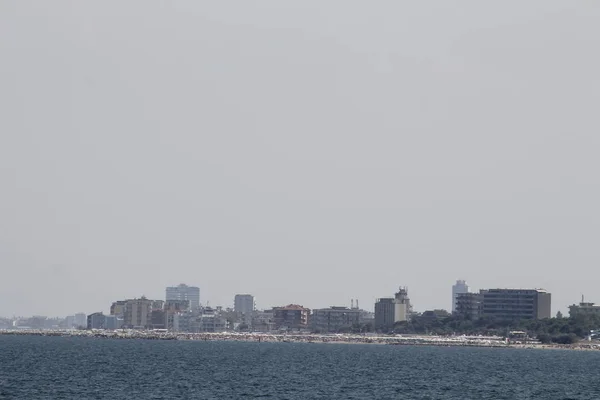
<point x="35" y="367"/>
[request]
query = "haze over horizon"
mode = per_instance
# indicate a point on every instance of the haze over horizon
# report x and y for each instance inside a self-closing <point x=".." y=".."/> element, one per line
<point x="305" y="153"/>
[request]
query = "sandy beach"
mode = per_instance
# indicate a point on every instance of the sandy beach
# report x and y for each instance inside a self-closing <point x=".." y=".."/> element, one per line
<point x="406" y="340"/>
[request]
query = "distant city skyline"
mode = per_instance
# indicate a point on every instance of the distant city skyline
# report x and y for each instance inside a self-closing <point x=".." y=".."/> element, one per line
<point x="401" y="305"/>
<point x="347" y="147"/>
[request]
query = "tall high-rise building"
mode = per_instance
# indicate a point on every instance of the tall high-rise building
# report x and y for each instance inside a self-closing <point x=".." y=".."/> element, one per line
<point x="243" y="304"/>
<point x="184" y="292"/>
<point x="458" y="288"/>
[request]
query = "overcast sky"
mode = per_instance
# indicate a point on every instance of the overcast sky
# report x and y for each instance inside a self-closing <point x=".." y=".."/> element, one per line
<point x="306" y="152"/>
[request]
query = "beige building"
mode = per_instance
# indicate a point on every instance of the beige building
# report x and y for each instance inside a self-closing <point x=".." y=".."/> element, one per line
<point x="138" y="313"/>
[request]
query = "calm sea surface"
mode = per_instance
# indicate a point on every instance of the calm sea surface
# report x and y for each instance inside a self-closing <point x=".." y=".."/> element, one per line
<point x="85" y="368"/>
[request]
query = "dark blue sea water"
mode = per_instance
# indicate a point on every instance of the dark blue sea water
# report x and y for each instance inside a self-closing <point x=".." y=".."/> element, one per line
<point x="86" y="368"/>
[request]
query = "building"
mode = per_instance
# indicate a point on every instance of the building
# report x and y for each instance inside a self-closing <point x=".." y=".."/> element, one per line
<point x="112" y="322"/>
<point x="95" y="321"/>
<point x="138" y="313"/>
<point x="389" y="310"/>
<point x="211" y="320"/>
<point x="158" y="304"/>
<point x="118" y="308"/>
<point x="177" y="305"/>
<point x="367" y="317"/>
<point x="80" y="320"/>
<point x="334" y="319"/>
<point x="205" y="320"/>
<point x="158" y="319"/>
<point x="263" y="321"/>
<point x="584" y="308"/>
<point x="243" y="304"/>
<point x="516" y="303"/>
<point x="70" y="322"/>
<point x="434" y="315"/>
<point x="458" y="288"/>
<point x="385" y="313"/>
<point x="184" y="292"/>
<point x="469" y="305"/>
<point x="172" y="310"/>
<point x="184" y="322"/>
<point x="292" y="316"/>
<point x="172" y="321"/>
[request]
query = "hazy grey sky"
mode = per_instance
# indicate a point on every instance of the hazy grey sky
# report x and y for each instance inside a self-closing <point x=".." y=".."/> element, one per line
<point x="306" y="152"/>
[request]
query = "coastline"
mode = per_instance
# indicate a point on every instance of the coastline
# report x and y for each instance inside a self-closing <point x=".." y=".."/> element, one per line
<point x="399" y="340"/>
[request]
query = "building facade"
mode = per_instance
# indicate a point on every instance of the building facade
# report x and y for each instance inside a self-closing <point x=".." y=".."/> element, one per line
<point x="176" y="305"/>
<point x="459" y="287"/>
<point x="158" y="319"/>
<point x="292" y="316"/>
<point x="118" y="308"/>
<point x="243" y="304"/>
<point x="389" y="310"/>
<point x="584" y="308"/>
<point x="80" y="320"/>
<point x="112" y="322"/>
<point x="184" y="292"/>
<point x="334" y="319"/>
<point x="138" y="313"/>
<point x="263" y="321"/>
<point x="469" y="305"/>
<point x="96" y="321"/>
<point x="516" y="303"/>
<point x="70" y="322"/>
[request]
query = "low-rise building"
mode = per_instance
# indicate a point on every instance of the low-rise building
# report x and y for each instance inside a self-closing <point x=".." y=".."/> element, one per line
<point x="334" y="319"/>
<point x="584" y="308"/>
<point x="292" y="316"/>
<point x="434" y="315"/>
<point x="96" y="321"/>
<point x="212" y="323"/>
<point x="113" y="322"/>
<point x="158" y="319"/>
<point x="263" y="321"/>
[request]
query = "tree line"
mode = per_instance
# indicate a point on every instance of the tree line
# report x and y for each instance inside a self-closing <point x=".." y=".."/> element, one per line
<point x="557" y="330"/>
